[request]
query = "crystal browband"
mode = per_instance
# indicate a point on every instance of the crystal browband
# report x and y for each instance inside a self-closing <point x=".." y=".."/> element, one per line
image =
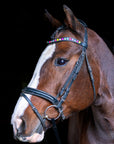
<point x="65" y="39"/>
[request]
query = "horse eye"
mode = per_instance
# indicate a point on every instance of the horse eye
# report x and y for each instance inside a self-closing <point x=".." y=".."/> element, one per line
<point x="61" y="61"/>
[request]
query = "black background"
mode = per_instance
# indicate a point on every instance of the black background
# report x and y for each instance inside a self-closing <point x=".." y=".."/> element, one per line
<point x="31" y="31"/>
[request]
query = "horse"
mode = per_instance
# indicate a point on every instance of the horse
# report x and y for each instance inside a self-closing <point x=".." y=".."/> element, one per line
<point x="73" y="76"/>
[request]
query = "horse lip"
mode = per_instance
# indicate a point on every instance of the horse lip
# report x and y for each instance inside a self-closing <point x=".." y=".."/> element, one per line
<point x="20" y="137"/>
<point x="36" y="137"/>
<point x="37" y="132"/>
<point x="23" y="139"/>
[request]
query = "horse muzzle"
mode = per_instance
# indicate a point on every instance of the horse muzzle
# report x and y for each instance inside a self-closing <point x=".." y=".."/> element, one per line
<point x="36" y="136"/>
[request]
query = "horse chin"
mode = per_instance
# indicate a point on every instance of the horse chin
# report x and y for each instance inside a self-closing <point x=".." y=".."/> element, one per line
<point x="36" y="137"/>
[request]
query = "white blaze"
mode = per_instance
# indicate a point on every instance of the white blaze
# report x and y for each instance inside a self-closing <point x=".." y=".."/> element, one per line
<point x="22" y="104"/>
<point x="47" y="53"/>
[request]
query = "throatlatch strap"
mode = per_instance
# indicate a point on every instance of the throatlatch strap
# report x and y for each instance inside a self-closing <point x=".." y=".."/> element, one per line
<point x="91" y="77"/>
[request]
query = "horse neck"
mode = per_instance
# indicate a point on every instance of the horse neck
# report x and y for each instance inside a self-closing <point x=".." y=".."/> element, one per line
<point x="105" y="60"/>
<point x="103" y="107"/>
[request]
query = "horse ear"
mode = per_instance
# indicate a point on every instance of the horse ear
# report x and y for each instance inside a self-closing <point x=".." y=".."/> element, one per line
<point x="55" y="23"/>
<point x="71" y="21"/>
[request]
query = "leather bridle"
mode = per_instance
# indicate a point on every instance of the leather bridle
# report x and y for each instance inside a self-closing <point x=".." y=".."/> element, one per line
<point x="63" y="93"/>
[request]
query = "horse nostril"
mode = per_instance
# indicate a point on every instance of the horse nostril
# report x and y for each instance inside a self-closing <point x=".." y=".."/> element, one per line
<point x="21" y="126"/>
<point x="18" y="122"/>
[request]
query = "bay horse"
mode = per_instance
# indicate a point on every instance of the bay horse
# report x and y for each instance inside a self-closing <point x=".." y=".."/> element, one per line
<point x="73" y="74"/>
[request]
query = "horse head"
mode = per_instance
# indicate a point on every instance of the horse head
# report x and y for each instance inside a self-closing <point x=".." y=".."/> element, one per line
<point x="53" y="69"/>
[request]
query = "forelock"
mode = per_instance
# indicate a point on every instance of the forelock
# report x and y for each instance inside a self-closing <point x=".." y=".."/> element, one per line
<point x="58" y="30"/>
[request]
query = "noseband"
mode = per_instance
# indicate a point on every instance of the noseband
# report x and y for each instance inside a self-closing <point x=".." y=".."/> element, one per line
<point x="63" y="93"/>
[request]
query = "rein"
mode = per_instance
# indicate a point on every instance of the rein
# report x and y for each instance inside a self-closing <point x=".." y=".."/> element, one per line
<point x="63" y="93"/>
